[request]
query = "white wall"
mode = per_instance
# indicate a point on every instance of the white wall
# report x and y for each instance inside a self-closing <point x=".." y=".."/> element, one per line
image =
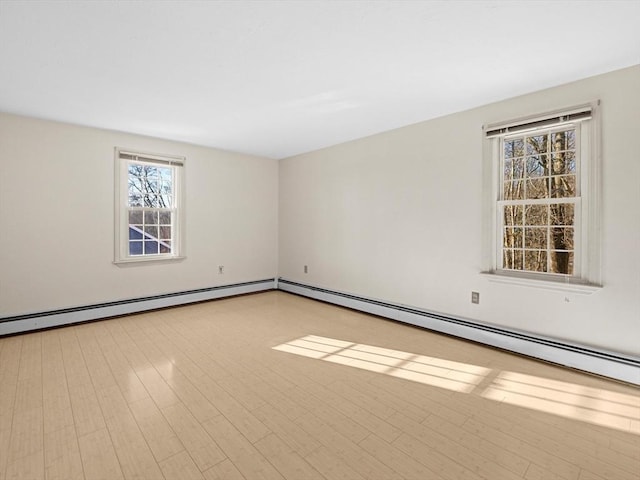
<point x="398" y="217"/>
<point x="57" y="218"/>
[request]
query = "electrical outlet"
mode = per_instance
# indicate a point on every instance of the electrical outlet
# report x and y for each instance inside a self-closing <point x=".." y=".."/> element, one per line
<point x="306" y="269"/>
<point x="475" y="297"/>
<point x="220" y="269"/>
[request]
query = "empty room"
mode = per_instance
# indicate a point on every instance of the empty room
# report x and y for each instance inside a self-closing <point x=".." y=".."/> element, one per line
<point x="319" y="240"/>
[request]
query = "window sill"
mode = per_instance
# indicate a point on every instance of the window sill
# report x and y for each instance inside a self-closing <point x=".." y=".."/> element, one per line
<point x="558" y="285"/>
<point x="130" y="262"/>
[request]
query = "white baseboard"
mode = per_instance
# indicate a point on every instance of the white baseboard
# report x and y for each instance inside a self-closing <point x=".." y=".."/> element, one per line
<point x="56" y="318"/>
<point x="609" y="364"/>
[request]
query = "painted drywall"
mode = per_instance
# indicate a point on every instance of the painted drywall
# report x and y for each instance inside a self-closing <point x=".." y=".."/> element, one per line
<point x="57" y="218"/>
<point x="398" y="217"/>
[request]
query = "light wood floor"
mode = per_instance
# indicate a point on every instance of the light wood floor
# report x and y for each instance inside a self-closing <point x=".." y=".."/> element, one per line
<point x="277" y="386"/>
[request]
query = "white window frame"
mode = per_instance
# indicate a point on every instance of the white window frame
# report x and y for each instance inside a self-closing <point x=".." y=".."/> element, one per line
<point x="586" y="277"/>
<point x="123" y="158"/>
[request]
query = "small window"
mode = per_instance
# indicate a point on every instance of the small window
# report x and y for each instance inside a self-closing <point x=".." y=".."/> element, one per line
<point x="149" y="208"/>
<point x="545" y="191"/>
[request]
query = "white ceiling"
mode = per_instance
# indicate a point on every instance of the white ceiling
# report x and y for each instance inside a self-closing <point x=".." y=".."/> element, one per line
<point x="277" y="78"/>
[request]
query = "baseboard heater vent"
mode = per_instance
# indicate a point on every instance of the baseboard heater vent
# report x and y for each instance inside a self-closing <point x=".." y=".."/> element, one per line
<point x="609" y="364"/>
<point x="67" y="316"/>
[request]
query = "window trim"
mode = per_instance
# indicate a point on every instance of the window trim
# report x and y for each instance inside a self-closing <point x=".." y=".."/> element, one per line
<point x="587" y="278"/>
<point x="121" y="239"/>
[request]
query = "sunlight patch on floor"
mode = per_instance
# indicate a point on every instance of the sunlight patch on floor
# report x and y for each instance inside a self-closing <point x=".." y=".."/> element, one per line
<point x="592" y="405"/>
<point x="570" y="400"/>
<point x="438" y="372"/>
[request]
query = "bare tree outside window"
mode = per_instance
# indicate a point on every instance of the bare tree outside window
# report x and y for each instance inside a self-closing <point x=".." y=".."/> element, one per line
<point x="538" y="201"/>
<point x="150" y="202"/>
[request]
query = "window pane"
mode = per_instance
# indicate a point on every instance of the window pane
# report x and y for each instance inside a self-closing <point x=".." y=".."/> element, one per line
<point x="562" y="262"/>
<point x="562" y="238"/>
<point x="165" y="247"/>
<point x="151" y="231"/>
<point x="563" y="163"/>
<point x="165" y="233"/>
<point x="507" y="259"/>
<point x="535" y="237"/>
<point x="537" y="144"/>
<point x="165" y="176"/>
<point x="135" y="232"/>
<point x="565" y="140"/>
<point x="535" y="260"/>
<point x="563" y="187"/>
<point x="149" y="172"/>
<point x="513" y="214"/>
<point x="512" y="238"/>
<point x="538" y="188"/>
<point x="562" y="214"/>
<point x="165" y="218"/>
<point x="151" y="218"/>
<point x="513" y="190"/>
<point x="150" y="247"/>
<point x="151" y="201"/>
<point x="518" y="147"/>
<point x="512" y="259"/>
<point x="165" y="201"/>
<point x="513" y="168"/>
<point x="514" y="148"/>
<point x="135" y="248"/>
<point x="134" y="198"/>
<point x="536" y="215"/>
<point x="538" y="166"/>
<point x="135" y="217"/>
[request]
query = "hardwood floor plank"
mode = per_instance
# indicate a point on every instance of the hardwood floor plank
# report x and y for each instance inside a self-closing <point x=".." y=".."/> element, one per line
<point x="547" y="460"/>
<point x="291" y="465"/>
<point x="246" y="458"/>
<point x="344" y="448"/>
<point x="29" y="466"/>
<point x="331" y="466"/>
<point x="99" y="460"/>
<point x="292" y="434"/>
<point x="159" y="435"/>
<point x="396" y="459"/>
<point x="180" y="467"/>
<point x="62" y="455"/>
<point x="224" y="470"/>
<point x="202" y="448"/>
<point x="134" y="455"/>
<point x="446" y="467"/>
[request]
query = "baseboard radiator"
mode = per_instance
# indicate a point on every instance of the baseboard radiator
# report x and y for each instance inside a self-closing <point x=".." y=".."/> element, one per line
<point x="609" y="364"/>
<point x="67" y="316"/>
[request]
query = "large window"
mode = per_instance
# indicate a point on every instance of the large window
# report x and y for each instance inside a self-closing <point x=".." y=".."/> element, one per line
<point x="149" y="207"/>
<point x="545" y="191"/>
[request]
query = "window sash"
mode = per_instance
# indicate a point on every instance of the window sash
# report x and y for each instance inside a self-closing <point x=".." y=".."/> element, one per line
<point x="160" y="239"/>
<point x="577" y="238"/>
<point x="523" y="130"/>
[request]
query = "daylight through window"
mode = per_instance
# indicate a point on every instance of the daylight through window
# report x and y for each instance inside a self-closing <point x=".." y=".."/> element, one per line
<point x="149" y="206"/>
<point x="539" y="201"/>
<point x="546" y="192"/>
